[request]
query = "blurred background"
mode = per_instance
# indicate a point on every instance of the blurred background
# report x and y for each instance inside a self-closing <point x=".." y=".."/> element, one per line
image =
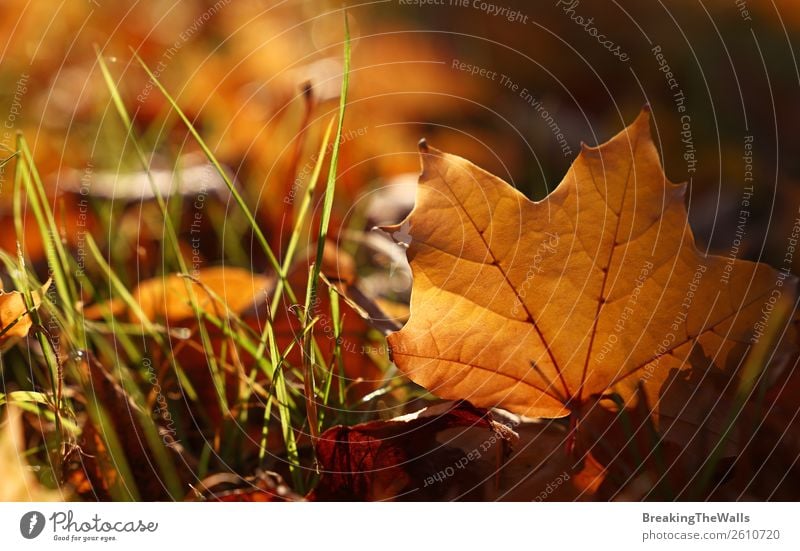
<point x="514" y="86"/>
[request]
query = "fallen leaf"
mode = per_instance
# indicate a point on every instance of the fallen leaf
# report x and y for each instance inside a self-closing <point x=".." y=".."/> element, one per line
<point x="542" y="307"/>
<point x="15" y="320"/>
<point x="19" y="482"/>
<point x="218" y="291"/>
<point x="413" y="457"/>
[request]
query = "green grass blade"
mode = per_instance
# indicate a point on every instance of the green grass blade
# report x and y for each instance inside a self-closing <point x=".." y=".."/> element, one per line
<point x="332" y="169"/>
<point x="262" y="240"/>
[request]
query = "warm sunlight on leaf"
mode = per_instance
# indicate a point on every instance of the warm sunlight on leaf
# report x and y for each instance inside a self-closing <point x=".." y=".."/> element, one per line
<point x="218" y="290"/>
<point x="15" y="320"/>
<point x="541" y="307"/>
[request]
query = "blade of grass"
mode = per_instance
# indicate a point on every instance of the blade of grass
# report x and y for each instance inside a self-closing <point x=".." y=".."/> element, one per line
<point x="8" y="159"/>
<point x="122" y="488"/>
<point x="56" y="255"/>
<point x="309" y="384"/>
<point x="301" y="217"/>
<point x="172" y="236"/>
<point x="327" y="207"/>
<point x="133" y="306"/>
<point x="285" y="414"/>
<point x="330" y="188"/>
<point x="262" y="240"/>
<point x="336" y="317"/>
<point x="50" y="354"/>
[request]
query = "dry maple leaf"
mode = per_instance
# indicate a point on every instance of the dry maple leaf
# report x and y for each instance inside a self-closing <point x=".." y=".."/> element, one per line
<point x="218" y="290"/>
<point x="15" y="320"/>
<point x="542" y="307"/>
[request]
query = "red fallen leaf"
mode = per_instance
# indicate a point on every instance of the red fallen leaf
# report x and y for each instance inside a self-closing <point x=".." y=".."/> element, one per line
<point x="413" y="457"/>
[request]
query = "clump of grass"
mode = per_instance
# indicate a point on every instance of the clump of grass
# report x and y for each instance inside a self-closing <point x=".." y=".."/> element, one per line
<point x="65" y="340"/>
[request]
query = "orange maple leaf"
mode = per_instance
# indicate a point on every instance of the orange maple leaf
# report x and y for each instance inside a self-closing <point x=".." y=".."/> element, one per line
<point x="543" y="307"/>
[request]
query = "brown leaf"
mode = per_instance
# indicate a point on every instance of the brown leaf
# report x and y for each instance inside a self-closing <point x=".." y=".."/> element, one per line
<point x="409" y="458"/>
<point x="541" y="307"/>
<point x="15" y="320"/>
<point x="219" y="290"/>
